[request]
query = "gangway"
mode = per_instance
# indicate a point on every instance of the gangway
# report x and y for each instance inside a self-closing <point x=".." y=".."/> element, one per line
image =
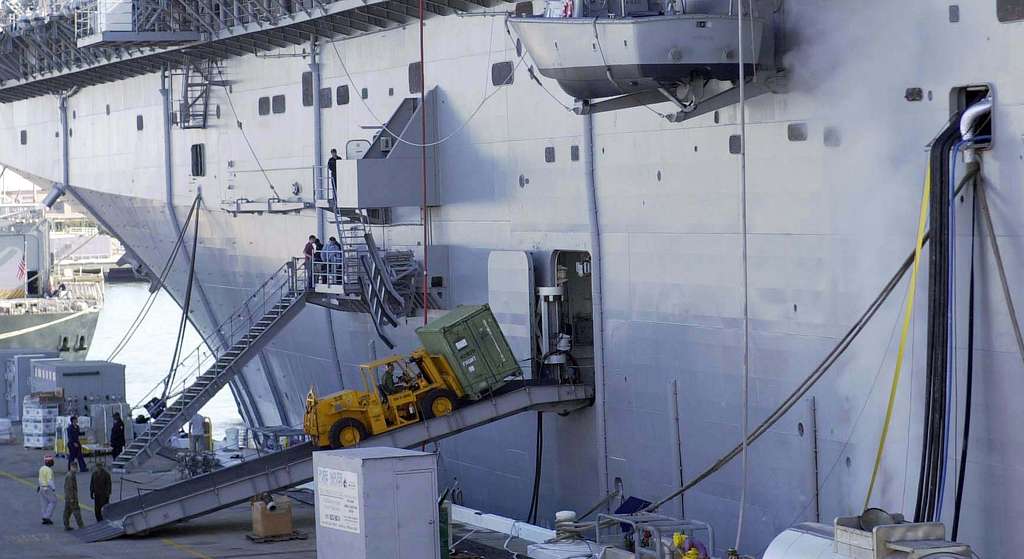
<point x="223" y="488"/>
<point x="247" y="330"/>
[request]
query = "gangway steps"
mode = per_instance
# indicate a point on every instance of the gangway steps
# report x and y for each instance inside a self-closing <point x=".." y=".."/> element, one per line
<point x="294" y="466"/>
<point x="206" y="385"/>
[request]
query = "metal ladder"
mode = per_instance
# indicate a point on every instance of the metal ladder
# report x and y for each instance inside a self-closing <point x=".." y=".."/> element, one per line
<point x="196" y="82"/>
<point x="247" y="330"/>
<point x="367" y="272"/>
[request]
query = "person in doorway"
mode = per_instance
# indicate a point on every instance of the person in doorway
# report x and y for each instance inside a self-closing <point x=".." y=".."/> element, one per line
<point x="99" y="490"/>
<point x="74" y="434"/>
<point x="332" y="171"/>
<point x="117" y="436"/>
<point x="308" y="252"/>
<point x="47" y="490"/>
<point x="197" y="433"/>
<point x="71" y="498"/>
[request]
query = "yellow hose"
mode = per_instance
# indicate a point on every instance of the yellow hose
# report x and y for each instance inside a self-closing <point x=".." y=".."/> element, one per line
<point x="922" y="221"/>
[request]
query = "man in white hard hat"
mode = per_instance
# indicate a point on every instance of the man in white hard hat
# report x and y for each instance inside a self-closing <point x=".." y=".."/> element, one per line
<point x="47" y="490"/>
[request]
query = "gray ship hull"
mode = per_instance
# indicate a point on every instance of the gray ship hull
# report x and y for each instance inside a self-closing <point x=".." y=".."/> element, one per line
<point x="70" y="333"/>
<point x="835" y="172"/>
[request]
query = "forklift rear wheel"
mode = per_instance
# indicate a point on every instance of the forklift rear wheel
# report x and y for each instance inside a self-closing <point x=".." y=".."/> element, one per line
<point x="439" y="403"/>
<point x="347" y="432"/>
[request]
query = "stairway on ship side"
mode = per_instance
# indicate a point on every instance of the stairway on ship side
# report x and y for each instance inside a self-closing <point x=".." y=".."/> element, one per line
<point x="245" y="332"/>
<point x="202" y="495"/>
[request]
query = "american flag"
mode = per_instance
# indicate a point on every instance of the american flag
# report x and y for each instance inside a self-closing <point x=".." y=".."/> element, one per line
<point x="21" y="269"/>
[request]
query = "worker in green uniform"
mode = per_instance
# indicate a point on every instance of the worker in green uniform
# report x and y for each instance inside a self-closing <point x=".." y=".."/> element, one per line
<point x="71" y="497"/>
<point x="99" y="490"/>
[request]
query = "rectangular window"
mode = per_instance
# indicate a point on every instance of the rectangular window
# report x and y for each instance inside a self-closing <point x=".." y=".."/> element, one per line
<point x="198" y="160"/>
<point x="24" y="137"/>
<point x="325" y="97"/>
<point x="1010" y="10"/>
<point x="502" y="73"/>
<point x="278" y="104"/>
<point x="139" y="125"/>
<point x="264" y="106"/>
<point x="415" y="78"/>
<point x="342" y="94"/>
<point x="307" y="89"/>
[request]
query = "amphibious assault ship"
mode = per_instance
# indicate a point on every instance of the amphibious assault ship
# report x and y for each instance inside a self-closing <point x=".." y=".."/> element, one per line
<point x="686" y="204"/>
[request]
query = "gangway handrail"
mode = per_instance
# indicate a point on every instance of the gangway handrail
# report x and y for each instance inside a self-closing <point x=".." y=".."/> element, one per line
<point x="295" y="273"/>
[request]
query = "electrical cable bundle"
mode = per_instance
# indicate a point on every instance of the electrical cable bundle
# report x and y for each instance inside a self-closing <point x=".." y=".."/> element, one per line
<point x="939" y="306"/>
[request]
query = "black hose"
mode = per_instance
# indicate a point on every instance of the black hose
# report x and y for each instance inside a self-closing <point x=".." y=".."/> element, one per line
<point x="969" y="382"/>
<point x="165" y="271"/>
<point x="531" y="516"/>
<point x="185" y="307"/>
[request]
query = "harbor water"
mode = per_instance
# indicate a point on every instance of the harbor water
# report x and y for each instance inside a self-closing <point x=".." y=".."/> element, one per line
<point x="147" y="355"/>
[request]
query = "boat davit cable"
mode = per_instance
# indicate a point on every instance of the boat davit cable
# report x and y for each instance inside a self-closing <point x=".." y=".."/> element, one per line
<point x="815" y="375"/>
<point x="745" y="385"/>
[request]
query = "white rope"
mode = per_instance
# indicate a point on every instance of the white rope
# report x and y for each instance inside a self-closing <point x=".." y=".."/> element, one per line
<point x="744" y="420"/>
<point x="397" y="135"/>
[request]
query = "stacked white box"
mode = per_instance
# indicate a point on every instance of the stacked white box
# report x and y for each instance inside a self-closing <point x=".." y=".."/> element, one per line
<point x="39" y="422"/>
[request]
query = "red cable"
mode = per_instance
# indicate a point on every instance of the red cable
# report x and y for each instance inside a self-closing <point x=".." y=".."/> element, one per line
<point x="423" y="156"/>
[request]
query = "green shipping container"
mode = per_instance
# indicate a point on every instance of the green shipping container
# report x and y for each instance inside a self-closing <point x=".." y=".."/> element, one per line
<point x="471" y="340"/>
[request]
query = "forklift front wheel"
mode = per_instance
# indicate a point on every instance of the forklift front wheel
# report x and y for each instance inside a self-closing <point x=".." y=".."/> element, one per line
<point x="439" y="403"/>
<point x="347" y="432"/>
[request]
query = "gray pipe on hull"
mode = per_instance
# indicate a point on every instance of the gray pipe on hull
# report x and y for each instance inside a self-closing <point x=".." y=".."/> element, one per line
<point x="598" y="302"/>
<point x="239" y="388"/>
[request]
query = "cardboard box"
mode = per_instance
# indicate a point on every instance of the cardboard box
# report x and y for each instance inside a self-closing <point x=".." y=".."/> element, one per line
<point x="266" y="523"/>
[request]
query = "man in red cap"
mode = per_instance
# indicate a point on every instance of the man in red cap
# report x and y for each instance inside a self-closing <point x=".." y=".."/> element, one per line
<point x="47" y="491"/>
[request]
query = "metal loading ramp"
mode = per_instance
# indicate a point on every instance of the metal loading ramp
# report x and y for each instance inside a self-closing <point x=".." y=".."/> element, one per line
<point x="294" y="466"/>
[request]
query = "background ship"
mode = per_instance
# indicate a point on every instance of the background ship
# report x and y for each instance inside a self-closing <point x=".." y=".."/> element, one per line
<point x="40" y="306"/>
<point x="242" y="105"/>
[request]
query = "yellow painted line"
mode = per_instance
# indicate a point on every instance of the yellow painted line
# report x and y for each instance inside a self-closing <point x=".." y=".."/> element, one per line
<point x="32" y="482"/>
<point x="184" y="549"/>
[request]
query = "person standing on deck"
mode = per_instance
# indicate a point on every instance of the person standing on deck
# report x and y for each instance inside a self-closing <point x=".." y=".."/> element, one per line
<point x="308" y="252"/>
<point x="197" y="433"/>
<point x="99" y="490"/>
<point x="117" y="436"/>
<point x="71" y="498"/>
<point x="332" y="255"/>
<point x="75" y="445"/>
<point x="47" y="491"/>
<point x="332" y="172"/>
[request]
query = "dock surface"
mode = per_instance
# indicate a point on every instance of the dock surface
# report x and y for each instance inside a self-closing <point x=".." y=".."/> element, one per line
<point x="219" y="535"/>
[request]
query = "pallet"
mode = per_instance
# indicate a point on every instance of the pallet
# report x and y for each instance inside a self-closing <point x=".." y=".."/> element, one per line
<point x="296" y="535"/>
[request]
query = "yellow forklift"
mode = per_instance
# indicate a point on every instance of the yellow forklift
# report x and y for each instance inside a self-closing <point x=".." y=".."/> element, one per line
<point x="398" y="390"/>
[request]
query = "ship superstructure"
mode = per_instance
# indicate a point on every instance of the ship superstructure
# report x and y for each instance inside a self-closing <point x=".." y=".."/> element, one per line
<point x="493" y="173"/>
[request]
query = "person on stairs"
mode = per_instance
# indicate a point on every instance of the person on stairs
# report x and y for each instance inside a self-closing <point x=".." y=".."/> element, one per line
<point x="332" y="171"/>
<point x="332" y="254"/>
<point x="117" y="436"/>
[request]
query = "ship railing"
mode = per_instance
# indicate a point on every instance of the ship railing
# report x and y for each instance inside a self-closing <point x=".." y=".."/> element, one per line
<point x="289" y="279"/>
